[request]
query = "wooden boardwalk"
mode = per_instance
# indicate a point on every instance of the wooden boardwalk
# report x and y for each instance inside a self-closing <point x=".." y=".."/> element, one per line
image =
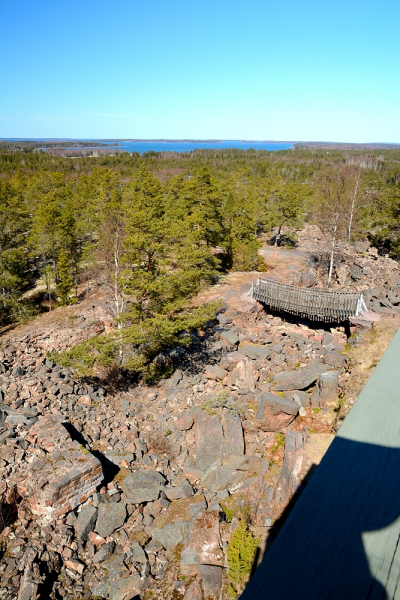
<point x="314" y="304"/>
<point x="342" y="538"/>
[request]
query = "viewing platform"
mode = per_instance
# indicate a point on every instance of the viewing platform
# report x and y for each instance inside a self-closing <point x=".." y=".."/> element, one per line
<point x="341" y="539"/>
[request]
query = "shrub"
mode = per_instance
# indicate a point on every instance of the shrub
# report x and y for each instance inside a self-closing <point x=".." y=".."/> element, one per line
<point x="241" y="554"/>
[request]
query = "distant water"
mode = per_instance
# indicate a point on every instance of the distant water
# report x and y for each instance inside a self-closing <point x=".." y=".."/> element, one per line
<point x="141" y="147"/>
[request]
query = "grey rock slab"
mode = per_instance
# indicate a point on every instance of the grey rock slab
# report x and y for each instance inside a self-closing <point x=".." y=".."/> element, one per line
<point x="223" y="320"/>
<point x="18" y="419"/>
<point x="233" y="434"/>
<point x="124" y="588"/>
<point x="231" y="337"/>
<point x="302" y="398"/>
<point x="115" y="565"/>
<point x="184" y="420"/>
<point x="215" y="372"/>
<point x="194" y="591"/>
<point x="183" y="490"/>
<point x="298" y="380"/>
<point x="327" y="389"/>
<point x="85" y="522"/>
<point x="153" y="547"/>
<point x="307" y="279"/>
<point x="244" y="376"/>
<point x="142" y="486"/>
<point x="100" y="590"/>
<point x="211" y="580"/>
<point x="170" y="528"/>
<point x="28" y="586"/>
<point x="111" y="516"/>
<point x="224" y="477"/>
<point x="209" y="439"/>
<point x="289" y="482"/>
<point x="104" y="552"/>
<point x="335" y="360"/>
<point x="114" y="457"/>
<point x="138" y="554"/>
<point x="230" y="360"/>
<point x="175" y="379"/>
<point x="255" y="352"/>
<point x="171" y="534"/>
<point x="239" y="462"/>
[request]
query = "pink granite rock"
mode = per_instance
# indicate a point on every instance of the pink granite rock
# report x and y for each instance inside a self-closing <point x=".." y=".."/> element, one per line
<point x="274" y="413"/>
<point x="215" y="372"/>
<point x="244" y="376"/>
<point x="203" y="543"/>
<point x="184" y="420"/>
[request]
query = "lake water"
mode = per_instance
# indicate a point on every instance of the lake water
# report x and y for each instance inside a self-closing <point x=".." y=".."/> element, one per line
<point x="168" y="146"/>
<point x="188" y="146"/>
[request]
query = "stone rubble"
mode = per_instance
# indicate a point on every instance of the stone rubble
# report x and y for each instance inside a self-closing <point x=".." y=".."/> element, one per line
<point x="121" y="494"/>
<point x="357" y="267"/>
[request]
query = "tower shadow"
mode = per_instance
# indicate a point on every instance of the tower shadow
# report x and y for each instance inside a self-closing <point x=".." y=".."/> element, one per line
<point x="340" y="541"/>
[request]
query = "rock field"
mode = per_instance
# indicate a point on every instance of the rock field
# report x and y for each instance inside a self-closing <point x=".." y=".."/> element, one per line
<point x="123" y="494"/>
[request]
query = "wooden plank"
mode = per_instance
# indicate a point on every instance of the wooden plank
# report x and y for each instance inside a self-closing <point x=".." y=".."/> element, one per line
<point x="316" y="304"/>
<point x="341" y="540"/>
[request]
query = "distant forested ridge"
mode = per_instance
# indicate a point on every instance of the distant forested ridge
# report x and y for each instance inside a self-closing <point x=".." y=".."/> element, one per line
<point x="153" y="229"/>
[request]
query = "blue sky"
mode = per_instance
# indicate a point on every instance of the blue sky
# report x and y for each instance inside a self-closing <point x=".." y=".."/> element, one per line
<point x="288" y="70"/>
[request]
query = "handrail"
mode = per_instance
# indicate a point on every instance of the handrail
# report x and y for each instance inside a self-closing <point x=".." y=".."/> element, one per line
<point x="316" y="304"/>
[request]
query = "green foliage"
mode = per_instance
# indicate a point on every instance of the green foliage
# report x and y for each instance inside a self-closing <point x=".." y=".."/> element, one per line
<point x="241" y="553"/>
<point x="151" y="240"/>
<point x="155" y="372"/>
<point x="65" y="285"/>
<point x="14" y="270"/>
<point x="101" y="350"/>
<point x="237" y="506"/>
<point x="222" y="400"/>
<point x="279" y="442"/>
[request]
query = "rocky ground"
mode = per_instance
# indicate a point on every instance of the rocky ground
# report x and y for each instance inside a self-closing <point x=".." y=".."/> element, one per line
<point x="136" y="492"/>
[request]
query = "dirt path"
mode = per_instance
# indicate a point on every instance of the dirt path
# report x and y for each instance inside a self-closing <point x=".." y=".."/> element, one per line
<point x="283" y="265"/>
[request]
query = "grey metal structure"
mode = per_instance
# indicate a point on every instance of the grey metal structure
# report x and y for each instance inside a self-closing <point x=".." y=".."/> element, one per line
<point x="314" y="304"/>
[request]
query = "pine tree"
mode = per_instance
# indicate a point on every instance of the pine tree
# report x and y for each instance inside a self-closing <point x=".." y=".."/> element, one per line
<point x="65" y="284"/>
<point x="161" y="264"/>
<point x="14" y="271"/>
<point x="165" y="266"/>
<point x="201" y="207"/>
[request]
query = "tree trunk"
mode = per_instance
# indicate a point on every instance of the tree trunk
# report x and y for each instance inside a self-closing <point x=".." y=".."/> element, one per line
<point x="332" y="254"/>
<point x="119" y="303"/>
<point x="278" y="236"/>
<point x="353" y="202"/>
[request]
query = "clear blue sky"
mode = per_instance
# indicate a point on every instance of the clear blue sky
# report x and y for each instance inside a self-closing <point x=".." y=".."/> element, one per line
<point x="248" y="69"/>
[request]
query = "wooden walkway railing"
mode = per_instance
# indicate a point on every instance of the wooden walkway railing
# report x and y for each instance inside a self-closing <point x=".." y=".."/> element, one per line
<point x="318" y="305"/>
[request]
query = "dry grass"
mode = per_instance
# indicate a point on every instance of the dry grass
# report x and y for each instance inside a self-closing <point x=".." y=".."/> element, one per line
<point x="159" y="444"/>
<point x="365" y="356"/>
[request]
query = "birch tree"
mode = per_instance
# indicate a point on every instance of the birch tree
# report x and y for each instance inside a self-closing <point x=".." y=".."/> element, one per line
<point x="332" y="201"/>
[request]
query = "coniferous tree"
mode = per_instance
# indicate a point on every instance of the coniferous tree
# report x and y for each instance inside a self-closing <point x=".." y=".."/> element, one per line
<point x="65" y="284"/>
<point x="14" y="271"/>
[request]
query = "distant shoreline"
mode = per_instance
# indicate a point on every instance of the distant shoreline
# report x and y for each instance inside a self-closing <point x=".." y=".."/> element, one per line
<point x="119" y="142"/>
